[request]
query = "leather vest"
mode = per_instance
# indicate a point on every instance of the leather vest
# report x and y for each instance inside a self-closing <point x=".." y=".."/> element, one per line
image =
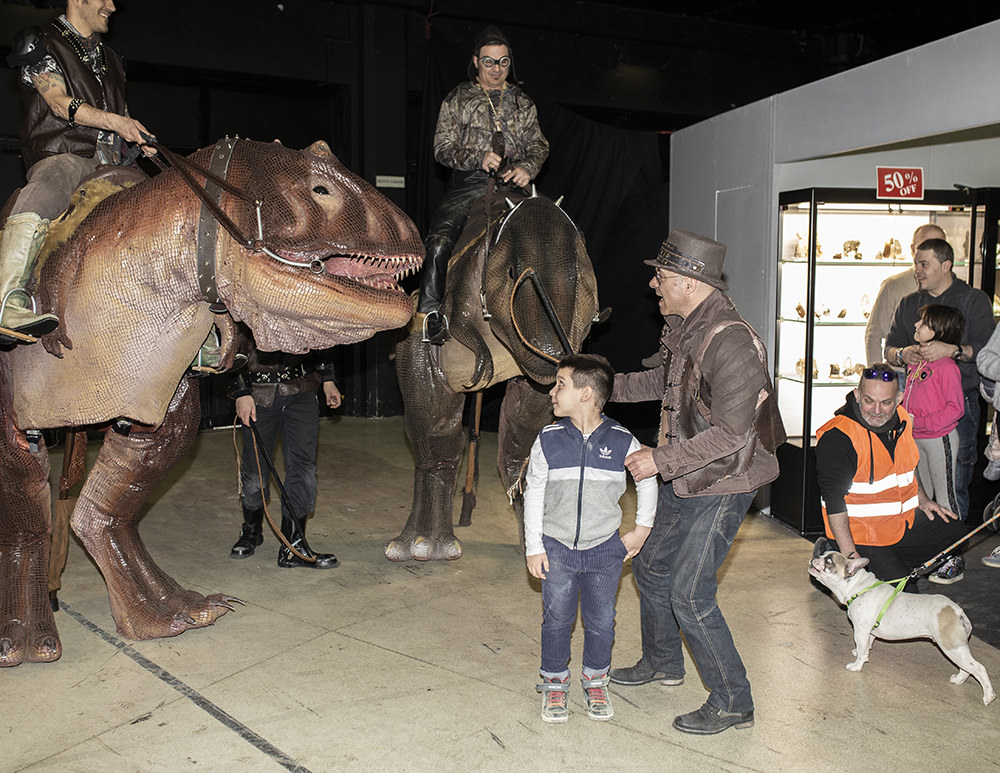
<point x="43" y="133"/>
<point x="687" y="410"/>
<point x="882" y="500"/>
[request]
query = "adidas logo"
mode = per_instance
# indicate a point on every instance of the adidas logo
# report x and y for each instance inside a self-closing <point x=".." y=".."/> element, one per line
<point x="605" y="453"/>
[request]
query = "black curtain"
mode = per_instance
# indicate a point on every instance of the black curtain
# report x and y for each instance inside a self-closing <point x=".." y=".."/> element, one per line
<point x="613" y="188"/>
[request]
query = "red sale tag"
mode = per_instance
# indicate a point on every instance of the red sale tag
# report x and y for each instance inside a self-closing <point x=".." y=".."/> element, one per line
<point x="900" y="182"/>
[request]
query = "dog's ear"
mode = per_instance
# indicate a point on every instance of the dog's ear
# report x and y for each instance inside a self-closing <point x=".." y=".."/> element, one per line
<point x="853" y="564"/>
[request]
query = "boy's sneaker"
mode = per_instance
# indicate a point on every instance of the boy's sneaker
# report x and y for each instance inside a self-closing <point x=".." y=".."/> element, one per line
<point x="598" y="700"/>
<point x="554" y="708"/>
<point x="950" y="571"/>
<point x="992" y="471"/>
<point x="993" y="559"/>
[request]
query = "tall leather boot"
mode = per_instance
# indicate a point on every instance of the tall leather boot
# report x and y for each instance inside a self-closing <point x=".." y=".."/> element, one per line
<point x="295" y="532"/>
<point x="432" y="287"/>
<point x="251" y="535"/>
<point x="22" y="239"/>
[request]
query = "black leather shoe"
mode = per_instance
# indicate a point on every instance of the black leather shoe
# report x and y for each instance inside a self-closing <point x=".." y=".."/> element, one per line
<point x="288" y="560"/>
<point x="709" y="720"/>
<point x="641" y="673"/>
<point x="250" y="538"/>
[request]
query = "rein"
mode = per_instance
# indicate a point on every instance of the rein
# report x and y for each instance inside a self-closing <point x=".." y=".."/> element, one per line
<point x="210" y="195"/>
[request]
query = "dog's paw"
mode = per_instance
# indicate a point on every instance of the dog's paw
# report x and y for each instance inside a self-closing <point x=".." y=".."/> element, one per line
<point x="855" y="666"/>
<point x="989" y="697"/>
<point x="959" y="678"/>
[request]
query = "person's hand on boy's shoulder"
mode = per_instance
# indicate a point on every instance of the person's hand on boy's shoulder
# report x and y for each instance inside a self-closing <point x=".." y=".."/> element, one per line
<point x="635" y="539"/>
<point x="538" y="565"/>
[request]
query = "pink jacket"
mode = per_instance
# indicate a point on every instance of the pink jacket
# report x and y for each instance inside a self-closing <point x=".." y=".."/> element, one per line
<point x="936" y="401"/>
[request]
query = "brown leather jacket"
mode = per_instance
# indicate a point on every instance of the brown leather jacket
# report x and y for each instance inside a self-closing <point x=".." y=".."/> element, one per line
<point x="43" y="133"/>
<point x="719" y="425"/>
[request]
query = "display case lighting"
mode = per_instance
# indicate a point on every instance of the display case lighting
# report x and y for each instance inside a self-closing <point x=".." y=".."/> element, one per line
<point x="893" y="207"/>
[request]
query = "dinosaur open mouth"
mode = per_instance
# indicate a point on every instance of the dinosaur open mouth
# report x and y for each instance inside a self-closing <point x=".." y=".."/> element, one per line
<point x="382" y="273"/>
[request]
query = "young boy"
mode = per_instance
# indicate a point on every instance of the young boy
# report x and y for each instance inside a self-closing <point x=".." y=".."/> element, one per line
<point x="571" y="518"/>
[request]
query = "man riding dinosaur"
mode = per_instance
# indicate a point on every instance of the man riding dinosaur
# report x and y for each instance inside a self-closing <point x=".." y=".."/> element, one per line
<point x="74" y="120"/>
<point x="486" y="126"/>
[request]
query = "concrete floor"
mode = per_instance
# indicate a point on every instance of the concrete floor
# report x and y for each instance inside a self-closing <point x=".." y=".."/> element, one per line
<point x="432" y="666"/>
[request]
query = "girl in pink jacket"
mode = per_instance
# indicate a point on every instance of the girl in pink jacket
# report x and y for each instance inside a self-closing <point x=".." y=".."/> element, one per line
<point x="934" y="400"/>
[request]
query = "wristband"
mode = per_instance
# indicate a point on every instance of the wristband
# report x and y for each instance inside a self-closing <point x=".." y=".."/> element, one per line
<point x="71" y="111"/>
<point x="957" y="354"/>
<point x="899" y="356"/>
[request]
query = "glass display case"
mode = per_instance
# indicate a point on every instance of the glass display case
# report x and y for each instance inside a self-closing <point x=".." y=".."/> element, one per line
<point x="835" y="248"/>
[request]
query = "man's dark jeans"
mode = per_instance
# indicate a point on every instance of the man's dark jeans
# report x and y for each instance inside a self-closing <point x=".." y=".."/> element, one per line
<point x="968" y="427"/>
<point x="676" y="573"/>
<point x="296" y="419"/>
<point x="591" y="576"/>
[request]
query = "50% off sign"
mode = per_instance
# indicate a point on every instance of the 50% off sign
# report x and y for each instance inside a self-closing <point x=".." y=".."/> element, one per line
<point x="898" y="182"/>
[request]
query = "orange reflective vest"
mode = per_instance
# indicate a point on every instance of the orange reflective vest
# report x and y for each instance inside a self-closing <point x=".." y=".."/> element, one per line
<point x="882" y="500"/>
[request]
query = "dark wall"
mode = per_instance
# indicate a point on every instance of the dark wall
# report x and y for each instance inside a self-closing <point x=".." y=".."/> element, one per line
<point x="358" y="75"/>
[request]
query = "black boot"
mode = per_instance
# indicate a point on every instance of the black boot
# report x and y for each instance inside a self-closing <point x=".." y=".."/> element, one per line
<point x="295" y="533"/>
<point x="432" y="287"/>
<point x="252" y="534"/>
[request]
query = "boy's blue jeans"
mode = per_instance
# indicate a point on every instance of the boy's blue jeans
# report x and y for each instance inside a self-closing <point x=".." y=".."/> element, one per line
<point x="675" y="572"/>
<point x="592" y="577"/>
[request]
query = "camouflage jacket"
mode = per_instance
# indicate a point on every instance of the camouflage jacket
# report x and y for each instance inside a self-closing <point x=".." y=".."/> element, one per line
<point x="465" y="126"/>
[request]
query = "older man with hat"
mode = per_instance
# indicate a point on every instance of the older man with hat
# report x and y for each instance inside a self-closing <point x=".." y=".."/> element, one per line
<point x="719" y="429"/>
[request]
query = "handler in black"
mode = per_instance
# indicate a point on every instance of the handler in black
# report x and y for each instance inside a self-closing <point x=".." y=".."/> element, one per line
<point x="74" y="119"/>
<point x="278" y="392"/>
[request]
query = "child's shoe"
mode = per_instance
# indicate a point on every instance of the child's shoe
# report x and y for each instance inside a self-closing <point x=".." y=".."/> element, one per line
<point x="598" y="700"/>
<point x="992" y="471"/>
<point x="554" y="707"/>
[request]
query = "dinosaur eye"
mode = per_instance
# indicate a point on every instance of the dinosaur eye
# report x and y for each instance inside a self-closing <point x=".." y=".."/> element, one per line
<point x="321" y="190"/>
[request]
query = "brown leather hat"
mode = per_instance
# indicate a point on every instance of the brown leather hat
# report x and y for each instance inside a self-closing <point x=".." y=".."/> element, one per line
<point x="692" y="255"/>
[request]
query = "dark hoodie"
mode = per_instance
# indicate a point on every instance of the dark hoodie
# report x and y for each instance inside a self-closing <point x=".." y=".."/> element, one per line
<point x="836" y="459"/>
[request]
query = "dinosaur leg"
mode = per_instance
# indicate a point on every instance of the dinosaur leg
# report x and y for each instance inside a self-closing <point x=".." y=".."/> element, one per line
<point x="27" y="628"/>
<point x="526" y="408"/>
<point x="433" y="418"/>
<point x="145" y="602"/>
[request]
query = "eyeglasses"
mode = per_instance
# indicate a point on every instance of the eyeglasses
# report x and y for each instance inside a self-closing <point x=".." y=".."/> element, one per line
<point x="489" y="62"/>
<point x="662" y="276"/>
<point x="884" y="375"/>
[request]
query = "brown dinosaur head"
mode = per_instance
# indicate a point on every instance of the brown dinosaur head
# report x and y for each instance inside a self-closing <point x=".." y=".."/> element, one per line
<point x="538" y="235"/>
<point x="332" y="253"/>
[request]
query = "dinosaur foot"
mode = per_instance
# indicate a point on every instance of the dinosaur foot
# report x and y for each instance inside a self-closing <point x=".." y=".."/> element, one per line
<point x="35" y="643"/>
<point x="170" y="616"/>
<point x="422" y="548"/>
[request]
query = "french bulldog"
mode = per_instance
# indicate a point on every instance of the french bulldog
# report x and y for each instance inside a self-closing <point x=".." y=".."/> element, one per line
<point x="909" y="616"/>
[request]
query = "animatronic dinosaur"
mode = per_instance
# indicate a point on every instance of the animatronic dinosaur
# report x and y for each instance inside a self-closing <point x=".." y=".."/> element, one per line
<point x="500" y="332"/>
<point x="133" y="300"/>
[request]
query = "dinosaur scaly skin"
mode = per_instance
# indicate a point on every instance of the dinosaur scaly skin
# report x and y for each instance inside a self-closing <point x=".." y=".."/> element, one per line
<point x="132" y="318"/>
<point x="536" y="235"/>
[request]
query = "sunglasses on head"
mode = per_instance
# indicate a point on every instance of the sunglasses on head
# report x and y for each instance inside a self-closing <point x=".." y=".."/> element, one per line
<point x="884" y="375"/>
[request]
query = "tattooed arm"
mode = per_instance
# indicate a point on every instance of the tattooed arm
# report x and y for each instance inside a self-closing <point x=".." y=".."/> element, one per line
<point x="52" y="86"/>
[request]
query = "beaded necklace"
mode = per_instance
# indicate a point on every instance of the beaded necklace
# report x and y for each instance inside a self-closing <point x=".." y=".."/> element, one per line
<point x="495" y="110"/>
